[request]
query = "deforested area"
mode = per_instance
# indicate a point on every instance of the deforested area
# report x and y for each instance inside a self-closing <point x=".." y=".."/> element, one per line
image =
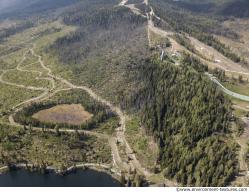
<point x="150" y="92"/>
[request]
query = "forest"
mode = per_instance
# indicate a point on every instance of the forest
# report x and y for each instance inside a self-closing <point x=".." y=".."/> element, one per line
<point x="189" y="118"/>
<point x="167" y="116"/>
<point x="225" y="8"/>
<point x="101" y="113"/>
<point x="187" y="115"/>
<point x="107" y="44"/>
<point x="194" y="63"/>
<point x="184" y="41"/>
<point x="5" y="33"/>
<point x="238" y="8"/>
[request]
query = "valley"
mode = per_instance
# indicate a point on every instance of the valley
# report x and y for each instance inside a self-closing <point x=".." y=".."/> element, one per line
<point x="125" y="90"/>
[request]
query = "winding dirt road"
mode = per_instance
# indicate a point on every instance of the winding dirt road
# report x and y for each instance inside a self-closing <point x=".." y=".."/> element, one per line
<point x="118" y="163"/>
<point x="217" y="60"/>
<point x="121" y="134"/>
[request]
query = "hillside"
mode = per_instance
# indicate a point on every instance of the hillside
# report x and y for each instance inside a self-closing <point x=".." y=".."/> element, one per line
<point x="235" y="8"/>
<point x="152" y="92"/>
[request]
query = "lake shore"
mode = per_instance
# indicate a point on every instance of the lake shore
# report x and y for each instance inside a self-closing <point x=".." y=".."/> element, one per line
<point x="79" y="178"/>
<point x="50" y="169"/>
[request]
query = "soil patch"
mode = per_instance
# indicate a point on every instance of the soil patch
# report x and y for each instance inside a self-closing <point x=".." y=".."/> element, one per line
<point x="73" y="114"/>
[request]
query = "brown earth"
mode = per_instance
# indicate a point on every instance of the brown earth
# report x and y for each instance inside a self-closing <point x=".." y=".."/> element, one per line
<point x="239" y="45"/>
<point x="73" y="114"/>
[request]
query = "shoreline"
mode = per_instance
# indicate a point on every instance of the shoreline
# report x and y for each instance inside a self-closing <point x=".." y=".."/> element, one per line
<point x="50" y="169"/>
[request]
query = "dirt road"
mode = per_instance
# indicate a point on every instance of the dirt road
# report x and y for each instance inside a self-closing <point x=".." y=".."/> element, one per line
<point x="48" y="92"/>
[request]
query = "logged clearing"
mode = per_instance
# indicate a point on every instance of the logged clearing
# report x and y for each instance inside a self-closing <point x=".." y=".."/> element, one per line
<point x="73" y="114"/>
<point x="238" y="45"/>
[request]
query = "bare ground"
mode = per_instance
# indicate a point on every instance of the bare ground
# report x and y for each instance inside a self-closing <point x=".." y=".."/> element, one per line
<point x="73" y="114"/>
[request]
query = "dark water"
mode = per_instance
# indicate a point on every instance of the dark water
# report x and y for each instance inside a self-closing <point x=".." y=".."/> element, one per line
<point x="81" y="178"/>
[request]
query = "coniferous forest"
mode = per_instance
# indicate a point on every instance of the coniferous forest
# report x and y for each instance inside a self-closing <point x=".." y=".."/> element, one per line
<point x="189" y="118"/>
<point x="187" y="115"/>
<point x="140" y="77"/>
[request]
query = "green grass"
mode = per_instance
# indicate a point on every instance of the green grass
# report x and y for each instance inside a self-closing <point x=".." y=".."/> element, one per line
<point x="50" y="60"/>
<point x="240" y="113"/>
<point x="29" y="60"/>
<point x="25" y="78"/>
<point x="11" y="96"/>
<point x="109" y="126"/>
<point x="241" y="88"/>
<point x="34" y="67"/>
<point x="144" y="147"/>
<point x="11" y="61"/>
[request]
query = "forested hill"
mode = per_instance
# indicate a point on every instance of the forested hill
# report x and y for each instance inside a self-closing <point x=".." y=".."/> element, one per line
<point x="114" y="52"/>
<point x="238" y="8"/>
<point x="235" y="8"/>
<point x="108" y="42"/>
<point x="189" y="117"/>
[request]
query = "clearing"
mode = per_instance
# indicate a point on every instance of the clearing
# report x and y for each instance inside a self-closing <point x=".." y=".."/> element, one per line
<point x="73" y="114"/>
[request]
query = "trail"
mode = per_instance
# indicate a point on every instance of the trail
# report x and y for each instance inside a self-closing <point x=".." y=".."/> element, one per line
<point x="133" y="163"/>
<point x="135" y="10"/>
<point x="219" y="61"/>
<point x="240" y="107"/>
<point x="120" y="136"/>
<point x="46" y="95"/>
<point x="19" y="85"/>
<point x="243" y="143"/>
<point x="123" y="2"/>
<point x="121" y="133"/>
<point x="33" y="71"/>
<point x="225" y="90"/>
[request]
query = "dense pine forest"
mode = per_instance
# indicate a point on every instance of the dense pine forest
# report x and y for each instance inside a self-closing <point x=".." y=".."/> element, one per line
<point x="184" y="41"/>
<point x="188" y="117"/>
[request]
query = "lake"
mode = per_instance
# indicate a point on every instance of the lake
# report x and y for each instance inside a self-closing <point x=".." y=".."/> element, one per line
<point x="81" y="178"/>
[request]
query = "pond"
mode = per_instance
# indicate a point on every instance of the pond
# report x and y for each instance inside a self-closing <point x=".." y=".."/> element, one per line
<point x="81" y="178"/>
